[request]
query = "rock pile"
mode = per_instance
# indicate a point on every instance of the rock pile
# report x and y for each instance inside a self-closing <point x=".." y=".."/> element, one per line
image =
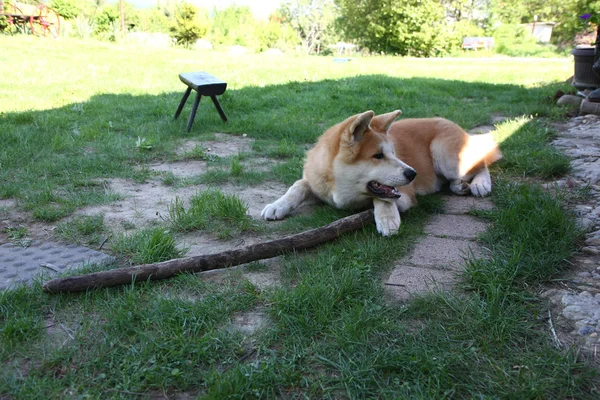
<point x="579" y="303"/>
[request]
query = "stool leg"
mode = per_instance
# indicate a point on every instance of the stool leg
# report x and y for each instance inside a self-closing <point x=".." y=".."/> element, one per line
<point x="183" y="100"/>
<point x="219" y="109"/>
<point x="193" y="114"/>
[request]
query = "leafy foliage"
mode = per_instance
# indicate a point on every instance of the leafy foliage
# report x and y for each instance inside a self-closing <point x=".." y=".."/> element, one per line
<point x="406" y="27"/>
<point x="313" y="21"/>
<point x="189" y="25"/>
<point x="68" y="9"/>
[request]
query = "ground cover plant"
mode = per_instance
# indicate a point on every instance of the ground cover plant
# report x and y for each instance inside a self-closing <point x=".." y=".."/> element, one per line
<point x="102" y="112"/>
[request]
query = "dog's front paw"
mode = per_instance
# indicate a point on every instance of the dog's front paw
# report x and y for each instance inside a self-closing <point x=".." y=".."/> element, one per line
<point x="460" y="187"/>
<point x="275" y="211"/>
<point x="481" y="188"/>
<point x="387" y="218"/>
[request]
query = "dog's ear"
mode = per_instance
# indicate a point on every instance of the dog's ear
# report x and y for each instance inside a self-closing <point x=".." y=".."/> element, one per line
<point x="384" y="121"/>
<point x="358" y="126"/>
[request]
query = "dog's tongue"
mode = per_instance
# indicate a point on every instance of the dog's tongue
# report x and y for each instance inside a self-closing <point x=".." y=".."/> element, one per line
<point x="381" y="190"/>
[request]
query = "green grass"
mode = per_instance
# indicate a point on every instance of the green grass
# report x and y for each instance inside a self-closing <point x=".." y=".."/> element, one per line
<point x="526" y="150"/>
<point x="83" y="125"/>
<point x="211" y="210"/>
<point x="87" y="229"/>
<point x="147" y="246"/>
<point x="329" y="331"/>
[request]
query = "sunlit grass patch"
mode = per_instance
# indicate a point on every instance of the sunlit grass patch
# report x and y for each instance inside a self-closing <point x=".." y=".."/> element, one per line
<point x="525" y="144"/>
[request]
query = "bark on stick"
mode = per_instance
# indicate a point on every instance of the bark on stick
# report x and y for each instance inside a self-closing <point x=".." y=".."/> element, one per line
<point x="225" y="259"/>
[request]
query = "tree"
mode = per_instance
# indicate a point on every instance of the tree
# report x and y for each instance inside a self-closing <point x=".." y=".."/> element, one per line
<point x="404" y="27"/>
<point x="188" y="27"/>
<point x="312" y="20"/>
<point x="68" y="9"/>
<point x="235" y="25"/>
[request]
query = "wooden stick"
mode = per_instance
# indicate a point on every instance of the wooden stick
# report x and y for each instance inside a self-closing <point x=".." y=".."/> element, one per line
<point x="225" y="259"/>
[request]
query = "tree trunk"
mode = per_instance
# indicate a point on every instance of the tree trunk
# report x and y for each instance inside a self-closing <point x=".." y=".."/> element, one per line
<point x="230" y="258"/>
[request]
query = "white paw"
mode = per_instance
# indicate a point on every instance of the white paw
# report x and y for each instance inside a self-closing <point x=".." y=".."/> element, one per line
<point x="481" y="188"/>
<point x="387" y="219"/>
<point x="460" y="187"/>
<point x="275" y="211"/>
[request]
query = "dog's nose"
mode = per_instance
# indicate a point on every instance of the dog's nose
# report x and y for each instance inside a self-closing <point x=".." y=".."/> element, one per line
<point x="410" y="174"/>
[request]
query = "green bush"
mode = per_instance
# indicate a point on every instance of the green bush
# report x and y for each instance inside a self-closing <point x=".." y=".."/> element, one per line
<point x="274" y="35"/>
<point x="404" y="27"/>
<point x="154" y="20"/>
<point x="190" y="25"/>
<point x="456" y="33"/>
<point x="235" y="25"/>
<point x="68" y="9"/>
<point x="509" y="36"/>
<point x="3" y="23"/>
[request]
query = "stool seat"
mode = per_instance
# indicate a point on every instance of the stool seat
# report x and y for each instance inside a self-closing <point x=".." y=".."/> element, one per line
<point x="205" y="85"/>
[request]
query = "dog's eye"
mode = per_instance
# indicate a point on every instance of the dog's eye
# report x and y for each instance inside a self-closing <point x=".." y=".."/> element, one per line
<point x="378" y="156"/>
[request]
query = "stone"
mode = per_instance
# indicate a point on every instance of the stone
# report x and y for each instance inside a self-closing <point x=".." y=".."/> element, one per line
<point x="585" y="223"/>
<point x="459" y="226"/>
<point x="590" y="250"/>
<point x="406" y="281"/>
<point x="593" y="241"/>
<point x="573" y="102"/>
<point x="465" y="204"/>
<point x="586" y="330"/>
<point x="442" y="252"/>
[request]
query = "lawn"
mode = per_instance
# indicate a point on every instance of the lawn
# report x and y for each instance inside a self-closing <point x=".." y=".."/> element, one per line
<point x="76" y="115"/>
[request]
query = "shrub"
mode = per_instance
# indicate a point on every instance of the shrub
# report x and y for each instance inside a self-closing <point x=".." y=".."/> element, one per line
<point x="457" y="32"/>
<point x="68" y="9"/>
<point x="275" y="35"/>
<point x="189" y="25"/>
<point x="235" y="25"/>
<point x="154" y="21"/>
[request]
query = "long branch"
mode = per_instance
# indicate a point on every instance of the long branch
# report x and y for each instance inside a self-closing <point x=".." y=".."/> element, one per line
<point x="225" y="259"/>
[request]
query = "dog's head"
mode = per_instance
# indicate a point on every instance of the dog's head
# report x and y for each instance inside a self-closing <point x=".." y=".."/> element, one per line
<point x="368" y="156"/>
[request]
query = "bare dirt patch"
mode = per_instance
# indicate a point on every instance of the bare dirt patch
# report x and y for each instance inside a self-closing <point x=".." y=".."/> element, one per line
<point x="12" y="218"/>
<point x="182" y="169"/>
<point x="147" y="204"/>
<point x="251" y="321"/>
<point x="224" y="146"/>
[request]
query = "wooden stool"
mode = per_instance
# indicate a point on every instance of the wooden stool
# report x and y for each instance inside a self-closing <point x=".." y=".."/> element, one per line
<point x="205" y="85"/>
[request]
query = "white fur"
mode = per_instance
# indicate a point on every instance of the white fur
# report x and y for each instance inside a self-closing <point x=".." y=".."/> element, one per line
<point x="404" y="203"/>
<point x="387" y="217"/>
<point x="343" y="183"/>
<point x="296" y="194"/>
<point x="351" y="180"/>
<point x="481" y="185"/>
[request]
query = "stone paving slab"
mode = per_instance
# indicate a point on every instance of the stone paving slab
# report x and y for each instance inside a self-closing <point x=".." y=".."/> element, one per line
<point x="22" y="264"/>
<point x="406" y="281"/>
<point x="464" y="204"/>
<point x="457" y="226"/>
<point x="442" y="252"/>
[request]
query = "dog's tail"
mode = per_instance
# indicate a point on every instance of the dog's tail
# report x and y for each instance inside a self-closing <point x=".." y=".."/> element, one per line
<point x="478" y="152"/>
<point x="483" y="147"/>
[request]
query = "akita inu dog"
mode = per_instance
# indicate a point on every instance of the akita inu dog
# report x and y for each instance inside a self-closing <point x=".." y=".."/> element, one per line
<point x="372" y="160"/>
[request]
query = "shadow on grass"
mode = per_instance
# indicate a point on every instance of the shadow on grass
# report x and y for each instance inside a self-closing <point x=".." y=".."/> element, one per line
<point x="51" y="160"/>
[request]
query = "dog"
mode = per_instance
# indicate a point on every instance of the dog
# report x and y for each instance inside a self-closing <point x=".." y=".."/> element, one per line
<point x="376" y="161"/>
